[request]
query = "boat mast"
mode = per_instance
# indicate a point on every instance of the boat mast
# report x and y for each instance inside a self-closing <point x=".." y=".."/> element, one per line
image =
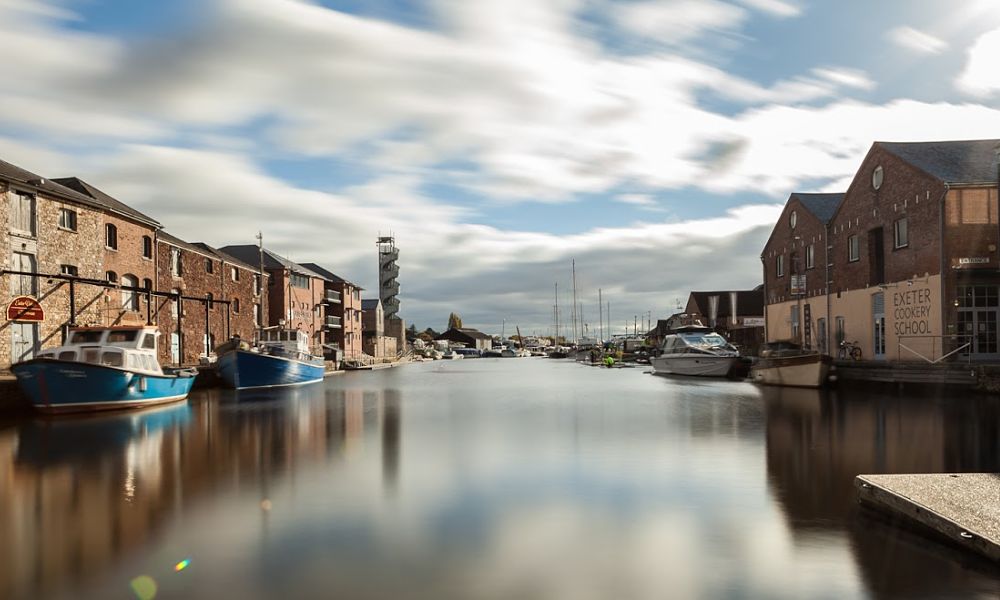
<point x="260" y="291"/>
<point x="575" y="338"/>
<point x="556" y="313"/>
<point x="600" y="311"/>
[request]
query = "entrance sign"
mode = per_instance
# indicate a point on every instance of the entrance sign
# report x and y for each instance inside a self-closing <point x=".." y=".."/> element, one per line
<point x="974" y="260"/>
<point x="25" y="309"/>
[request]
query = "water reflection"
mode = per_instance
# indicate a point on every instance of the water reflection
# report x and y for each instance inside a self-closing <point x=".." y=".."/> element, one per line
<point x="493" y="479"/>
<point x="818" y="441"/>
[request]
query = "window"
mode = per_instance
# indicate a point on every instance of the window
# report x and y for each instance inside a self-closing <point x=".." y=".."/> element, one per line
<point x="236" y="305"/>
<point x="147" y="284"/>
<point x="840" y="330"/>
<point x="70" y="270"/>
<point x="67" y="219"/>
<point x="149" y="342"/>
<point x="147" y="247"/>
<point x="300" y="281"/>
<point x="111" y="236"/>
<point x="209" y="343"/>
<point x="111" y="276"/>
<point x="810" y="256"/>
<point x="22" y="218"/>
<point x="795" y="322"/>
<point x="779" y="265"/>
<point x="852" y="248"/>
<point x="900" y="235"/>
<point x="821" y="334"/>
<point x="211" y="301"/>
<point x="793" y="219"/>
<point x="130" y="297"/>
<point x="175" y="262"/>
<point x="256" y="313"/>
<point x="209" y="267"/>
<point x="256" y="283"/>
<point x="878" y="175"/>
<point x="234" y="273"/>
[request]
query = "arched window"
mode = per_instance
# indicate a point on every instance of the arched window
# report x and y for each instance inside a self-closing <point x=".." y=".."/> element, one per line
<point x="147" y="247"/>
<point x="130" y="297"/>
<point x="111" y="236"/>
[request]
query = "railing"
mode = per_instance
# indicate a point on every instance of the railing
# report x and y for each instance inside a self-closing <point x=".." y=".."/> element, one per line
<point x="332" y="296"/>
<point x="900" y="346"/>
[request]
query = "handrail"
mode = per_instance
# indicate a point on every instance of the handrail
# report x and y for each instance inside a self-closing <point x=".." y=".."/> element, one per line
<point x="901" y="346"/>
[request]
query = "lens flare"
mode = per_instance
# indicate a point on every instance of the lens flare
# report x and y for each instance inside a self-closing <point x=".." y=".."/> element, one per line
<point x="182" y="565"/>
<point x="144" y="587"/>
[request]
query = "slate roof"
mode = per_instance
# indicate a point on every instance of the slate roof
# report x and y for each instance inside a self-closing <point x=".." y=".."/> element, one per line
<point x="14" y="173"/>
<point x="250" y="253"/>
<point x="466" y="331"/>
<point x="957" y="162"/>
<point x="749" y="303"/>
<point x="225" y="257"/>
<point x="108" y="202"/>
<point x="822" y="206"/>
<point x="370" y="304"/>
<point x="329" y="275"/>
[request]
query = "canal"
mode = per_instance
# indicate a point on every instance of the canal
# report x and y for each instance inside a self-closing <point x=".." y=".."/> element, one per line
<point x="492" y="478"/>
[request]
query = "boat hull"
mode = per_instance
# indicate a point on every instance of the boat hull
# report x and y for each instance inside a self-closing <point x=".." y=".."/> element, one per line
<point x="808" y="370"/>
<point x="62" y="386"/>
<point x="242" y="369"/>
<point x="698" y="365"/>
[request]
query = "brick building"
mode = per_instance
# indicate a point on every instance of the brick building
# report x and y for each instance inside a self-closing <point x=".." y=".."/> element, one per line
<point x="294" y="293"/>
<point x="214" y="296"/>
<point x="49" y="229"/>
<point x="343" y="314"/>
<point x="906" y="263"/>
<point x="375" y="342"/>
<point x="128" y="255"/>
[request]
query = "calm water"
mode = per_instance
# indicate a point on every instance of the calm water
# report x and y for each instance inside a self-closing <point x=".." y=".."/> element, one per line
<point x="496" y="478"/>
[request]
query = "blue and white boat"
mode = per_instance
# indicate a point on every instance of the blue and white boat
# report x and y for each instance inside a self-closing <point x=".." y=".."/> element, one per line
<point x="281" y="357"/>
<point x="102" y="368"/>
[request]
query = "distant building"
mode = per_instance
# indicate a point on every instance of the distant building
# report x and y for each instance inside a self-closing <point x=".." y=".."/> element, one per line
<point x="343" y="300"/>
<point x="374" y="340"/>
<point x="295" y="294"/>
<point x="472" y="338"/>
<point x="906" y="265"/>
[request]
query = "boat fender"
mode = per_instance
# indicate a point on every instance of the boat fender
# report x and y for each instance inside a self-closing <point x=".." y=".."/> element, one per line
<point x="143" y="385"/>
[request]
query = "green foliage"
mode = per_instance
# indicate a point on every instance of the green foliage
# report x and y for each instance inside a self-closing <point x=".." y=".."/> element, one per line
<point x="454" y="321"/>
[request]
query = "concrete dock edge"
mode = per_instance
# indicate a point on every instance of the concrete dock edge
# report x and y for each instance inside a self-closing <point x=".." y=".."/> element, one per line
<point x="961" y="508"/>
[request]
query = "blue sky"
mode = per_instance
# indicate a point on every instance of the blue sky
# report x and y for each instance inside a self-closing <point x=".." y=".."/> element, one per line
<point x="653" y="140"/>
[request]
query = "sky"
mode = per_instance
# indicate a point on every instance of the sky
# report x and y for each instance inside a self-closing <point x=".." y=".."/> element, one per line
<point x="651" y="141"/>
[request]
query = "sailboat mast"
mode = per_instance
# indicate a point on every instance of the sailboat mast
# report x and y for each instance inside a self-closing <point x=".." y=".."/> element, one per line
<point x="575" y="338"/>
<point x="260" y="289"/>
<point x="556" y="342"/>
<point x="600" y="311"/>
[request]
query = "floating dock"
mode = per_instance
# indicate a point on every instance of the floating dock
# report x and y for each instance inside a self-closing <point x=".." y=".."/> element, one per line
<point x="963" y="508"/>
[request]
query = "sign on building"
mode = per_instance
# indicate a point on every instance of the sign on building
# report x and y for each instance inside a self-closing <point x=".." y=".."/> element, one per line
<point x="798" y="285"/>
<point x="753" y="321"/>
<point x="25" y="309"/>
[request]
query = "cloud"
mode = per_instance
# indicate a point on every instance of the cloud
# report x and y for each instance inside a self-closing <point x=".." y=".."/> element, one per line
<point x="916" y="40"/>
<point x="635" y="199"/>
<point x="851" y="78"/>
<point x="776" y="8"/>
<point x="980" y="76"/>
<point x="674" y="22"/>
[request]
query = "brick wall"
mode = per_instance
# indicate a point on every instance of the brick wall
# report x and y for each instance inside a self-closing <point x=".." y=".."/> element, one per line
<point x="298" y="306"/>
<point x="809" y="230"/>
<point x="127" y="261"/>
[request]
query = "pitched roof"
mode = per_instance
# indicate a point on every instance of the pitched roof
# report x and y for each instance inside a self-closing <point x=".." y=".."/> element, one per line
<point x="108" y="202"/>
<point x="329" y="275"/>
<point x="969" y="161"/>
<point x="466" y="331"/>
<point x="749" y="303"/>
<point x="40" y="184"/>
<point x="225" y="257"/>
<point x="250" y="253"/>
<point x="822" y="206"/>
<point x="370" y="304"/>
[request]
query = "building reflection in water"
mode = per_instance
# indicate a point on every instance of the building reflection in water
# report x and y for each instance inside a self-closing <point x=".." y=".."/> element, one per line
<point x="818" y="441"/>
<point x="79" y="494"/>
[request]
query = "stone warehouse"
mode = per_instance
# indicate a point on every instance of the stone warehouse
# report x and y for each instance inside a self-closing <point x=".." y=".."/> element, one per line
<point x="904" y="263"/>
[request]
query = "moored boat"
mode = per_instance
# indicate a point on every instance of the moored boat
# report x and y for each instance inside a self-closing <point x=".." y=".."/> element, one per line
<point x="695" y="350"/>
<point x="102" y="368"/>
<point x="788" y="364"/>
<point x="281" y="357"/>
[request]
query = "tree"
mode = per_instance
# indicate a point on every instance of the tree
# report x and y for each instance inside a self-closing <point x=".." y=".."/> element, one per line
<point x="454" y="321"/>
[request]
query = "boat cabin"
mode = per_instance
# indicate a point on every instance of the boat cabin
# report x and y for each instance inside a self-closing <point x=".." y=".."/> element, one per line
<point x="129" y="348"/>
<point x="695" y="339"/>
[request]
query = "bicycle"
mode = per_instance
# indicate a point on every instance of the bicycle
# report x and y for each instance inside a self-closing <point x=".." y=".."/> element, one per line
<point x="850" y="349"/>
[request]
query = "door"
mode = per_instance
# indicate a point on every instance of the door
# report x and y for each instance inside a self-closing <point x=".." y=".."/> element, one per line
<point x="876" y="257"/>
<point x="977" y="319"/>
<point x="175" y="348"/>
<point x="878" y="325"/>
<point x="24" y="338"/>
<point x="23" y="285"/>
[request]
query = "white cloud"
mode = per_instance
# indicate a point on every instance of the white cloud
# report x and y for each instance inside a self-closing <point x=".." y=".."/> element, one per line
<point x="777" y="8"/>
<point x="980" y="76"/>
<point x="635" y="199"/>
<point x="916" y="40"/>
<point x="676" y="21"/>
<point x="851" y="78"/>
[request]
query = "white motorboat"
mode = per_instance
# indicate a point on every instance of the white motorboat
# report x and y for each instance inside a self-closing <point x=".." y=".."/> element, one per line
<point x="695" y="350"/>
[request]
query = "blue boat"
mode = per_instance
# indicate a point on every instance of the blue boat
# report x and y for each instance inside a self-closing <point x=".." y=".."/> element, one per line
<point x="102" y="368"/>
<point x="280" y="358"/>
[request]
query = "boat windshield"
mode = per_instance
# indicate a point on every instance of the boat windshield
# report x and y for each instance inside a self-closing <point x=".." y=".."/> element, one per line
<point x="86" y="337"/>
<point x="705" y="340"/>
